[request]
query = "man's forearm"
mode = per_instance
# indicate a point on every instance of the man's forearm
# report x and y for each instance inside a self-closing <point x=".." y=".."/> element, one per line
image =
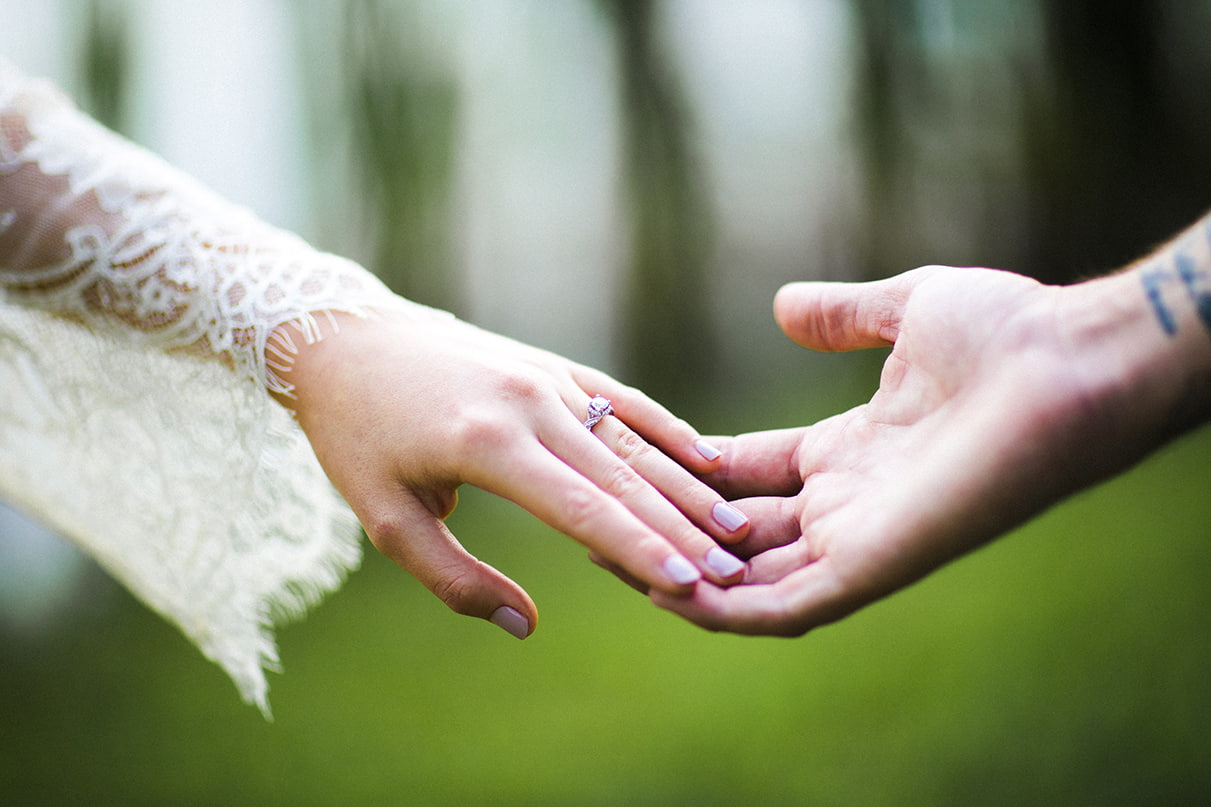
<point x="1176" y="281"/>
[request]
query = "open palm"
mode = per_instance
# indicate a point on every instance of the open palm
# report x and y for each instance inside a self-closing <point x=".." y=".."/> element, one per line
<point x="994" y="403"/>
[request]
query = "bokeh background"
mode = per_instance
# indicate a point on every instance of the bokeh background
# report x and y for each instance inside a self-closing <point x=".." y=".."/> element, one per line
<point x="628" y="182"/>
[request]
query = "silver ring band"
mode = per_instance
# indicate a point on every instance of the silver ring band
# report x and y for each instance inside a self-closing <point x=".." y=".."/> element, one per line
<point x="599" y="407"/>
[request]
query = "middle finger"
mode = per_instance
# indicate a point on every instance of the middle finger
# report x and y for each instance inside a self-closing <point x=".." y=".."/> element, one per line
<point x="652" y="487"/>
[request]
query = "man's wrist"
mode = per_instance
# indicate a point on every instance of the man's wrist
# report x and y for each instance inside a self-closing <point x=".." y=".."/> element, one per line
<point x="1147" y="368"/>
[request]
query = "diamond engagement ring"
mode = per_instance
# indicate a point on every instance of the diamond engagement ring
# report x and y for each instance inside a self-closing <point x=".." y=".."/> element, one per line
<point x="599" y="407"/>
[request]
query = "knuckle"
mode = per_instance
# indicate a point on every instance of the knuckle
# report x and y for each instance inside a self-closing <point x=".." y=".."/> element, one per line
<point x="581" y="509"/>
<point x="623" y="482"/>
<point x="476" y="430"/>
<point x="457" y="590"/>
<point x="521" y="385"/>
<point x="384" y="529"/>
<point x="630" y="447"/>
<point x="491" y="421"/>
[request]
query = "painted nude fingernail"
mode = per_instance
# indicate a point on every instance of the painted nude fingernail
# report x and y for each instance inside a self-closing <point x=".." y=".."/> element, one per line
<point x="681" y="570"/>
<point x="707" y="450"/>
<point x="728" y="517"/>
<point x="511" y="621"/>
<point x="724" y="564"/>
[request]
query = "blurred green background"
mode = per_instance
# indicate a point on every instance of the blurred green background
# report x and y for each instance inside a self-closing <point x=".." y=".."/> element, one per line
<point x="628" y="182"/>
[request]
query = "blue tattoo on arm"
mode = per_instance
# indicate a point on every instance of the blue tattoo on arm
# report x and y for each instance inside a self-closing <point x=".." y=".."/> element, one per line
<point x="1152" y="280"/>
<point x="1191" y="276"/>
<point x="1185" y="270"/>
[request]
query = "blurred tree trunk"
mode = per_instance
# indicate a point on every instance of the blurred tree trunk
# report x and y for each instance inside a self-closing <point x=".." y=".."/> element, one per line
<point x="403" y="118"/>
<point x="1112" y="122"/>
<point x="668" y="337"/>
<point x="104" y="63"/>
<point x="891" y="78"/>
<point x="1118" y="160"/>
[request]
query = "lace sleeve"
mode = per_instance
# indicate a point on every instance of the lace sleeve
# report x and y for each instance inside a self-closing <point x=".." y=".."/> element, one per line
<point x="142" y="320"/>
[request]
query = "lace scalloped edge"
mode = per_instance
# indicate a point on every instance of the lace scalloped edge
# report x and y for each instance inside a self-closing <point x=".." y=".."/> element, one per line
<point x="290" y="602"/>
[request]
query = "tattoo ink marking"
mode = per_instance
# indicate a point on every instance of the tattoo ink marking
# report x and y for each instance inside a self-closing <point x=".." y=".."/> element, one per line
<point x="1190" y="276"/>
<point x="1186" y="270"/>
<point x="1202" y="304"/>
<point x="1152" y="280"/>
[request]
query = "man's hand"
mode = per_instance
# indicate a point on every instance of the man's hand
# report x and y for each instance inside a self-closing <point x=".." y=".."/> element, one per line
<point x="1000" y="397"/>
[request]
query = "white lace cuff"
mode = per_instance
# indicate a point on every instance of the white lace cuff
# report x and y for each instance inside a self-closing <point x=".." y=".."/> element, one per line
<point x="137" y="320"/>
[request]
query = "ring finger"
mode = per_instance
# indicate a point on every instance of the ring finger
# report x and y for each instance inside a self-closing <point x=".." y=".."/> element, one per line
<point x="702" y="505"/>
<point x="652" y="487"/>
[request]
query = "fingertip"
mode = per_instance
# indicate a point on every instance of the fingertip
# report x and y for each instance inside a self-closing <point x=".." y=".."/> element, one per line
<point x="707" y="450"/>
<point x="731" y="519"/>
<point x="680" y="440"/>
<point x="725" y="564"/>
<point x="680" y="571"/>
<point x="698" y="455"/>
<point x="512" y="621"/>
<point x="796" y="311"/>
<point x="423" y="545"/>
<point x="828" y="316"/>
<point x="788" y="299"/>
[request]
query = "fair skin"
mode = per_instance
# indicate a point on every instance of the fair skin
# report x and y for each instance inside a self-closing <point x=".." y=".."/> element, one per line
<point x="401" y="407"/>
<point x="1000" y="397"/>
<point x="401" y="412"/>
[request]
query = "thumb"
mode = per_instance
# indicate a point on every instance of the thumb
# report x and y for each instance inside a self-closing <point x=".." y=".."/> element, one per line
<point x="422" y="544"/>
<point x="844" y="316"/>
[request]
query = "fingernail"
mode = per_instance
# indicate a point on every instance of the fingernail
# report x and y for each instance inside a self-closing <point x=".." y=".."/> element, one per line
<point x="728" y="517"/>
<point x="707" y="450"/>
<point x="511" y="621"/>
<point x="681" y="570"/>
<point x="724" y="564"/>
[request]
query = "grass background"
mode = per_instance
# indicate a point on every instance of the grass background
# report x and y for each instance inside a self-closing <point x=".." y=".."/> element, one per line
<point x="1066" y="664"/>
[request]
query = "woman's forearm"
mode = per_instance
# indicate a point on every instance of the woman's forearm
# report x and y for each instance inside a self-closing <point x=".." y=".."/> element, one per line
<point x="97" y="230"/>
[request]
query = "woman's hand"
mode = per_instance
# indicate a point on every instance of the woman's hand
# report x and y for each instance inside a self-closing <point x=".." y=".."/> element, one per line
<point x="402" y="409"/>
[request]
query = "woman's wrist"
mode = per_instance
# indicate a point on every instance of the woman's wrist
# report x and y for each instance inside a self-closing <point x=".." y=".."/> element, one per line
<point x="302" y="355"/>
